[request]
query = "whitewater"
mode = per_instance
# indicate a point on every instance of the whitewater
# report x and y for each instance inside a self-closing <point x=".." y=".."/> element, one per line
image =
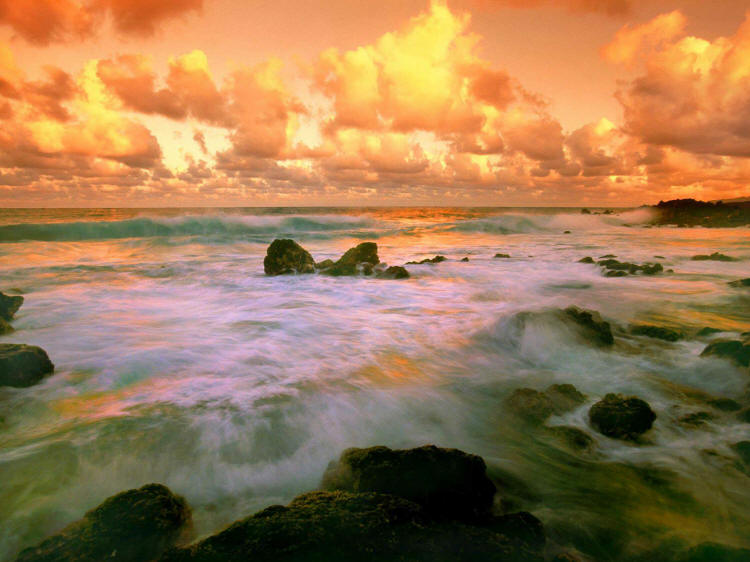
<point x="178" y="361"/>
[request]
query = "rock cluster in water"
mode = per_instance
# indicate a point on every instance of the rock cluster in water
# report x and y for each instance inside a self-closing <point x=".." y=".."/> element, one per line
<point x="716" y="256"/>
<point x="689" y="212"/>
<point x="616" y="268"/>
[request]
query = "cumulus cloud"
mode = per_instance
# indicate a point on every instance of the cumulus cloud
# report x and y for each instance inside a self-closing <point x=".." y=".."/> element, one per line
<point x="47" y="21"/>
<point x="609" y="7"/>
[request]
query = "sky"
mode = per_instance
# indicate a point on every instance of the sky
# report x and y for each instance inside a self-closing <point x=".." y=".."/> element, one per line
<point x="351" y="102"/>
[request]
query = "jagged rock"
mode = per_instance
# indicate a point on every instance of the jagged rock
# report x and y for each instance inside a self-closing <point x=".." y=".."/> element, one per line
<point x="9" y="305"/>
<point x="736" y="351"/>
<point x="621" y="417"/>
<point x="591" y="325"/>
<point x="394" y="272"/>
<point x="587" y="259"/>
<point x="137" y="525"/>
<point x="502" y="255"/>
<point x="286" y="256"/>
<point x="716" y="256"/>
<point x="362" y="258"/>
<point x="23" y="365"/>
<point x="447" y="483"/>
<point x="371" y="527"/>
<point x="657" y="332"/>
<point x="740" y="283"/>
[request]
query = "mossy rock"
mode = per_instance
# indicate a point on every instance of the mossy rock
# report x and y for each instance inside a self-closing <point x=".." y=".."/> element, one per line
<point x="359" y="259"/>
<point x="9" y="305"/>
<point x="394" y="272"/>
<point x="285" y="257"/>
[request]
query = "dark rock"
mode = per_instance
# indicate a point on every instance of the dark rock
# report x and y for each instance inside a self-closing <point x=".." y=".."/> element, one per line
<point x="616" y="274"/>
<point x="522" y="528"/>
<point x="716" y="256"/>
<point x="734" y="350"/>
<point x="137" y="525"/>
<point x="740" y="283"/>
<point x="724" y="404"/>
<point x="651" y="268"/>
<point x="564" y="397"/>
<point x="566" y="232"/>
<point x="325" y="264"/>
<point x="621" y="417"/>
<point x="342" y="527"/>
<point x="531" y="405"/>
<point x="286" y="256"/>
<point x="607" y="256"/>
<point x="5" y="328"/>
<point x="502" y="255"/>
<point x="591" y="325"/>
<point x="573" y="437"/>
<point x="9" y="305"/>
<point x="714" y="552"/>
<point x="689" y="212"/>
<point x="394" y="272"/>
<point x="708" y="331"/>
<point x="585" y="211"/>
<point x="587" y="259"/>
<point x="743" y="451"/>
<point x="23" y="365"/>
<point x="657" y="332"/>
<point x="447" y="483"/>
<point x="436" y="259"/>
<point x="744" y="415"/>
<point x="360" y="258"/>
<point x="660" y="257"/>
<point x="696" y="419"/>
<point x="464" y="259"/>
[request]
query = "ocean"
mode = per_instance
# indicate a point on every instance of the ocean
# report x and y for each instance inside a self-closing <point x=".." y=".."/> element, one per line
<point x="178" y="361"/>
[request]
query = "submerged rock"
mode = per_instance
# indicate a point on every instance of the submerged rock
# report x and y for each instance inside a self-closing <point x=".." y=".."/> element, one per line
<point x="724" y="404"/>
<point x="285" y="256"/>
<point x="708" y="331"/>
<point x="436" y="259"/>
<point x="716" y="256"/>
<point x="9" y="305"/>
<point x="587" y="259"/>
<point x="502" y="255"/>
<point x="696" y="419"/>
<point x="341" y="526"/>
<point x="657" y="332"/>
<point x="531" y="405"/>
<point x="464" y="259"/>
<point x="743" y="451"/>
<point x="573" y="438"/>
<point x="394" y="272"/>
<point x="715" y="552"/>
<point x="23" y="365"/>
<point x="736" y="351"/>
<point x="565" y="397"/>
<point x="621" y="417"/>
<point x="447" y="483"/>
<point x="591" y="325"/>
<point x="740" y="283"/>
<point x="137" y="525"/>
<point x="361" y="258"/>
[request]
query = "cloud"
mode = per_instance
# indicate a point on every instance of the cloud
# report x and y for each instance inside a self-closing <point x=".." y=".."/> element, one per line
<point x="630" y="41"/>
<point x="47" y="21"/>
<point x="609" y="7"/>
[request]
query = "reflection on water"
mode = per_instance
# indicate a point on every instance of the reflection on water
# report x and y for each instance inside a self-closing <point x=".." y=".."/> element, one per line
<point x="179" y="362"/>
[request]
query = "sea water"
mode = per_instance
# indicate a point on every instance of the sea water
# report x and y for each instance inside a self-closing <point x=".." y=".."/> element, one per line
<point x="178" y="361"/>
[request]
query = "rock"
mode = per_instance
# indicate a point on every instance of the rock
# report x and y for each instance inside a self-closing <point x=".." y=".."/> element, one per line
<point x="5" y="328"/>
<point x="573" y="438"/>
<point x="651" y="268"/>
<point x="616" y="274"/>
<point x="530" y="405"/>
<point x="502" y="255"/>
<point x="736" y="351"/>
<point x="591" y="325"/>
<point x="724" y="404"/>
<point x="464" y="259"/>
<point x="621" y="417"/>
<point x="585" y="211"/>
<point x="9" y="305"/>
<point x="325" y="264"/>
<point x="564" y="397"/>
<point x="660" y="257"/>
<point x="716" y="256"/>
<point x="362" y="257"/>
<point x="286" y="256"/>
<point x="689" y="212"/>
<point x="566" y="232"/>
<point x="743" y="451"/>
<point x="436" y="259"/>
<point x="696" y="419"/>
<point x="394" y="272"/>
<point x="657" y="332"/>
<point x="740" y="283"/>
<point x="447" y="483"/>
<point x="137" y="525"/>
<point x="369" y="527"/>
<point x="744" y="415"/>
<point x="607" y="256"/>
<point x="708" y="331"/>
<point x="714" y="552"/>
<point x="587" y="259"/>
<point x="522" y="528"/>
<point x="23" y="365"/>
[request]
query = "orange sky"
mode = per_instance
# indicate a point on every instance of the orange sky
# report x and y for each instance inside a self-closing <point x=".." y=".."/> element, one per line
<point x="406" y="102"/>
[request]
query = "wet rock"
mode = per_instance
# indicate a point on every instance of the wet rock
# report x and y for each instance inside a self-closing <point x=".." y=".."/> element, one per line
<point x="607" y="256"/>
<point x="447" y="483"/>
<point x="566" y="232"/>
<point x="660" y="257"/>
<point x="616" y="274"/>
<point x="724" y="404"/>
<point x="735" y="351"/>
<point x="464" y="259"/>
<point x="689" y="212"/>
<point x="715" y="552"/>
<point x="436" y="259"/>
<point x="394" y="272"/>
<point x="502" y="255"/>
<point x="342" y="526"/>
<point x="564" y="397"/>
<point x="591" y="325"/>
<point x="744" y="415"/>
<point x="716" y="256"/>
<point x="9" y="305"/>
<point x="325" y="264"/>
<point x="708" y="331"/>
<point x="587" y="259"/>
<point x="651" y="268"/>
<point x="585" y="211"/>
<point x="285" y="256"/>
<point x="621" y="417"/>
<point x="573" y="438"/>
<point x="740" y="283"/>
<point x="696" y="419"/>
<point x="137" y="525"/>
<point x="362" y="258"/>
<point x="530" y="405"/>
<point x="5" y="328"/>
<point x="657" y="332"/>
<point x="743" y="451"/>
<point x="521" y="528"/>
<point x="23" y="365"/>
